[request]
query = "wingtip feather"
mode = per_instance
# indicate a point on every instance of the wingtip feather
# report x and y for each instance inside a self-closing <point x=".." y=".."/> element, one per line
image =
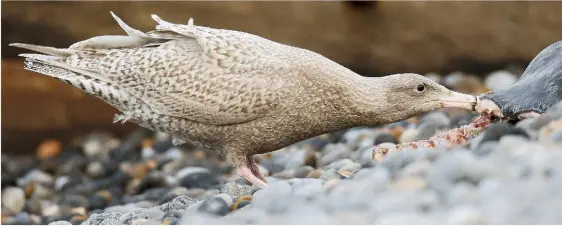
<point x="128" y="29"/>
<point x="44" y="49"/>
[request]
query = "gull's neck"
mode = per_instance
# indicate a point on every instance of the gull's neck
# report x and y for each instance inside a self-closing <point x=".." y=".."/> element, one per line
<point x="362" y="100"/>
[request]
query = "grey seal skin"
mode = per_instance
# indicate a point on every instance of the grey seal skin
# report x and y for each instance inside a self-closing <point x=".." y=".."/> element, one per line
<point x="536" y="90"/>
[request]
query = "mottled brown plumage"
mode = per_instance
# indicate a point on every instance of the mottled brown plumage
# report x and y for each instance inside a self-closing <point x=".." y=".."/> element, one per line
<point x="231" y="91"/>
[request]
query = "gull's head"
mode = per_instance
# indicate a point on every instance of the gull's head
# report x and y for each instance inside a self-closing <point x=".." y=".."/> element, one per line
<point x="416" y="94"/>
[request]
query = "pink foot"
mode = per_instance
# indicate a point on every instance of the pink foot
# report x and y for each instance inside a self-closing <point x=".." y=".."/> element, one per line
<point x="248" y="170"/>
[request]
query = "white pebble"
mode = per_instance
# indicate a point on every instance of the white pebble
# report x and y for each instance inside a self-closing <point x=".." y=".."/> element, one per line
<point x="13" y="198"/>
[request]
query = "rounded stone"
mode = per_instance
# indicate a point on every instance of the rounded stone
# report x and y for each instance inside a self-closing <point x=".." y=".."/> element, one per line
<point x="95" y="169"/>
<point x="179" y="203"/>
<point x="302" y="172"/>
<point x="317" y="173"/>
<point x="500" y="79"/>
<point x="49" y="149"/>
<point x="408" y="135"/>
<point x="13" y="198"/>
<point x="236" y="190"/>
<point x="215" y="206"/>
<point x="60" y="223"/>
<point x="330" y="175"/>
<point x="204" y="180"/>
<point x="384" y="138"/>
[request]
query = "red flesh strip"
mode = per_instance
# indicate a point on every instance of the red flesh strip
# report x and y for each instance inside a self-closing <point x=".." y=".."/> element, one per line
<point x="450" y="138"/>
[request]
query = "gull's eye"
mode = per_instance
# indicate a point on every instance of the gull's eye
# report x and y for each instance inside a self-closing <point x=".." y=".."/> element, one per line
<point x="421" y="88"/>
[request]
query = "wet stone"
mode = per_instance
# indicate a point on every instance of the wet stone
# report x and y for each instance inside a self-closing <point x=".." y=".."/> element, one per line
<point x="214" y="206"/>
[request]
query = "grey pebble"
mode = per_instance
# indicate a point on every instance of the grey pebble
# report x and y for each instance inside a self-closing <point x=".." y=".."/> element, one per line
<point x="431" y="124"/>
<point x="285" y="174"/>
<point x="310" y="191"/>
<point x="145" y="222"/>
<point x="500" y="79"/>
<point x="275" y="199"/>
<point x="97" y="219"/>
<point x="95" y="169"/>
<point x="226" y="198"/>
<point x="384" y="138"/>
<point x="236" y="190"/>
<point x="334" y="152"/>
<point x="179" y="203"/>
<point x="60" y="223"/>
<point x="339" y="164"/>
<point x="329" y="175"/>
<point x="365" y="158"/>
<point x="214" y="206"/>
<point x="303" y="171"/>
<point x="141" y="213"/>
<point x="190" y="170"/>
<point x="35" y="176"/>
<point x="454" y="167"/>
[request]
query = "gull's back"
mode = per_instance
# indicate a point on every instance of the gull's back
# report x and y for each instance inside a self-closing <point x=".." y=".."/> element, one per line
<point x="182" y="73"/>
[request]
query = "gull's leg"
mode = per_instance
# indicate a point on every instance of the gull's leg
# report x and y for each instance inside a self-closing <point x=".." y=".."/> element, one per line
<point x="254" y="168"/>
<point x="248" y="170"/>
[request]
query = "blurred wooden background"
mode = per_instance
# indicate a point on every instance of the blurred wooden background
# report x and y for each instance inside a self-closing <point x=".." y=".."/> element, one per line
<point x="373" y="39"/>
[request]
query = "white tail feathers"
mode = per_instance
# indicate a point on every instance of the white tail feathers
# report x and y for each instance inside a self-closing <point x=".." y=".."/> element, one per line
<point x="56" y="61"/>
<point x="45" y="49"/>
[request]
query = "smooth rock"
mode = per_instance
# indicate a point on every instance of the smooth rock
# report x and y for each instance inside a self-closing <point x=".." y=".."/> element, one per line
<point x="384" y="138"/>
<point x="302" y="172"/>
<point x="409" y="135"/>
<point x="179" y="203"/>
<point x="329" y="175"/>
<point x="60" y="223"/>
<point x="97" y="219"/>
<point x="333" y="152"/>
<point x="500" y="79"/>
<point x="236" y="190"/>
<point x="35" y="176"/>
<point x="317" y="173"/>
<point x="13" y="198"/>
<point x="95" y="169"/>
<point x="214" y="206"/>
<point x="190" y="170"/>
<point x="204" y="180"/>
<point x="141" y="213"/>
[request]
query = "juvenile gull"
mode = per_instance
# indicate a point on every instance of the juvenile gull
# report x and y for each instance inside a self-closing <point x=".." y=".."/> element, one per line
<point x="233" y="92"/>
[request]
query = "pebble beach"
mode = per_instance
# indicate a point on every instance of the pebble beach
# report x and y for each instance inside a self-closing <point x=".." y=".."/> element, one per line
<point x="510" y="174"/>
